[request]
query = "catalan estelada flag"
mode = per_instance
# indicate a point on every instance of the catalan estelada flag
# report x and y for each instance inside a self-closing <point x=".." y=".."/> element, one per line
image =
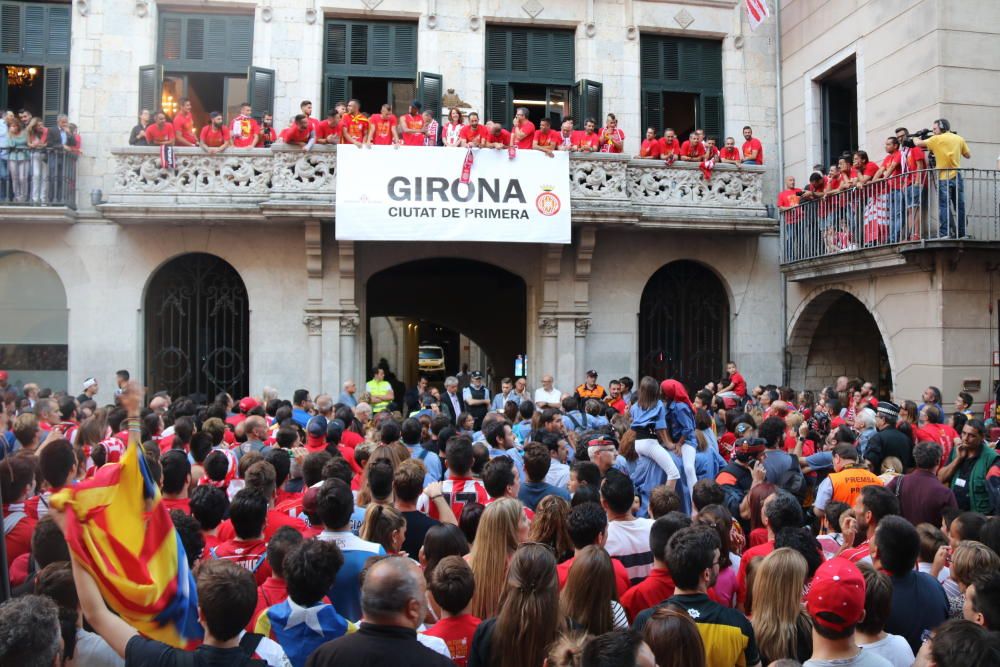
<point x="120" y="531"/>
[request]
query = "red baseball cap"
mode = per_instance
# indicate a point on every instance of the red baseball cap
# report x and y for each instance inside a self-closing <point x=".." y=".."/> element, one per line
<point x="836" y="598"/>
<point x="248" y="403"/>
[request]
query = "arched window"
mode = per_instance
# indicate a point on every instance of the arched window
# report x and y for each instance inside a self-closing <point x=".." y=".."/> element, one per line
<point x="197" y="328"/>
<point x="684" y="325"/>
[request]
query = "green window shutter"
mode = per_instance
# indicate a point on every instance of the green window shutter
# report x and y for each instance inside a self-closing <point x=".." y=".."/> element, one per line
<point x="712" y="117"/>
<point x="241" y="40"/>
<point x="334" y="90"/>
<point x="58" y="33"/>
<point x="649" y="57"/>
<point x="336" y="43"/>
<point x="563" y="54"/>
<point x="497" y="50"/>
<point x="205" y="42"/>
<point x="34" y="30"/>
<point x="587" y="102"/>
<point x="652" y="110"/>
<point x="194" y="39"/>
<point x="150" y="87"/>
<point x="405" y="39"/>
<point x="711" y="64"/>
<point x="429" y="91"/>
<point x="171" y="31"/>
<point x="671" y="64"/>
<point x="530" y="55"/>
<point x="53" y="88"/>
<point x="260" y="90"/>
<point x="10" y="29"/>
<point x="499" y="106"/>
<point x="359" y="43"/>
<point x="519" y="51"/>
<point x="382" y="45"/>
<point x="216" y="49"/>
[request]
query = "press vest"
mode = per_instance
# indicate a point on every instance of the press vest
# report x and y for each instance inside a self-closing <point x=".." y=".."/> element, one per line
<point x="847" y="484"/>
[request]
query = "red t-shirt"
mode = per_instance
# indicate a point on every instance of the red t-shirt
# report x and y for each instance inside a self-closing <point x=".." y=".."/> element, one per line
<point x="155" y="135"/>
<point x="753" y="145"/>
<point x="583" y="140"/>
<point x="502" y="137"/>
<point x="456" y="631"/>
<point x="314" y="124"/>
<point x="297" y="135"/>
<point x="869" y="170"/>
<point x="789" y="198"/>
<point x="688" y="150"/>
<point x="275" y="520"/>
<point x="607" y="146"/>
<point x="650" y="148"/>
<point x="729" y="153"/>
<point x="528" y="128"/>
<point x="383" y="128"/>
<point x="913" y="156"/>
<point x="184" y="126"/>
<point x="892" y="166"/>
<point x="669" y="148"/>
<point x="473" y="135"/>
<point x="649" y="592"/>
<point x="411" y="122"/>
<point x="547" y="139"/>
<point x="739" y="384"/>
<point x="243" y="131"/>
<point x="355" y="127"/>
<point x="182" y="504"/>
<point x="214" y="138"/>
<point x="741" y="574"/>
<point x="248" y="554"/>
<point x="328" y="132"/>
<point x="19" y="537"/>
<point x="622" y="581"/>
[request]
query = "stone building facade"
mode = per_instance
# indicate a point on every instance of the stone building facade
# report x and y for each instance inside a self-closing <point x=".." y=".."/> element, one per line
<point x="652" y="247"/>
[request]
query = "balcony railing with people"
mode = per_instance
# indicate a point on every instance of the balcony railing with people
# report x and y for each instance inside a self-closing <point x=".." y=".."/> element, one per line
<point x="919" y="207"/>
<point x="38" y="177"/>
<point x="285" y="181"/>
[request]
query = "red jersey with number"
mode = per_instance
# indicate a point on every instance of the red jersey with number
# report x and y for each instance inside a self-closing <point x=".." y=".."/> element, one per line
<point x="251" y="555"/>
<point x="650" y="148"/>
<point x="473" y="135"/>
<point x="184" y="126"/>
<point x="753" y="145"/>
<point x="355" y="127"/>
<point x="459" y="491"/>
<point x="528" y="129"/>
<point x="688" y="150"/>
<point x="154" y="135"/>
<point x="412" y="122"/>
<point x="383" y="128"/>
<point x="547" y="138"/>
<point x="212" y="137"/>
<point x="456" y="631"/>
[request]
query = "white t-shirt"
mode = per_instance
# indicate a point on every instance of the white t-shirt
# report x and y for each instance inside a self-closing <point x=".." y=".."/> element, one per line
<point x="552" y="398"/>
<point x="893" y="648"/>
<point x="628" y="541"/>
<point x="862" y="659"/>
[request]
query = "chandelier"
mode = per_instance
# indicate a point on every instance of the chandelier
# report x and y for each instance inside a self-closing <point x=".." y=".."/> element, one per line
<point x="21" y="76"/>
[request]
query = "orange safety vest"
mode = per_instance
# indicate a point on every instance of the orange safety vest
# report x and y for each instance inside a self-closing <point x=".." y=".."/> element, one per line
<point x="597" y="392"/>
<point x="847" y="484"/>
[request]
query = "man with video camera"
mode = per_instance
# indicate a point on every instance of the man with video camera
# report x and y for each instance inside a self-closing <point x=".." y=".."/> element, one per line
<point x="949" y="149"/>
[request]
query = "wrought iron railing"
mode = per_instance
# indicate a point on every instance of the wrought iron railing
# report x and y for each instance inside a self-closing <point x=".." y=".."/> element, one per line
<point x="912" y="208"/>
<point x="38" y="177"/>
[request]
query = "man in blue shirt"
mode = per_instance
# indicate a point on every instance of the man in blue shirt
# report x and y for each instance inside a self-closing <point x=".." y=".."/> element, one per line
<point x="507" y="393"/>
<point x="301" y="406"/>
<point x="536" y="466"/>
<point x="500" y="440"/>
<point x="932" y="396"/>
<point x="347" y="396"/>
<point x="410" y="433"/>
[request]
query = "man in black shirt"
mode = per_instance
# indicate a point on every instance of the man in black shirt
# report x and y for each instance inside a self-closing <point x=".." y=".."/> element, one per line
<point x="394" y="601"/>
<point x="889" y="441"/>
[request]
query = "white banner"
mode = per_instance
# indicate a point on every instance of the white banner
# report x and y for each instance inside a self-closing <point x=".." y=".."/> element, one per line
<point x="413" y="193"/>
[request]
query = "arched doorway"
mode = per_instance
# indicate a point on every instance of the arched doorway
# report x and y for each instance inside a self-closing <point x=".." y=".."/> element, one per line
<point x="435" y="300"/>
<point x="684" y="324"/>
<point x="197" y="318"/>
<point x="834" y="335"/>
<point x="34" y="322"/>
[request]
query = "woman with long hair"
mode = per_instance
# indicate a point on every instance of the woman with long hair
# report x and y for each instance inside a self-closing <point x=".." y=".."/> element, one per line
<point x="674" y="639"/>
<point x="707" y="460"/>
<point x="466" y="423"/>
<point x="441" y="541"/>
<point x="503" y="526"/>
<point x="384" y="525"/>
<point x="378" y="453"/>
<point x="681" y="428"/>
<point x="719" y="518"/>
<point x="758" y="531"/>
<point x="782" y="628"/>
<point x="654" y="466"/>
<point x="452" y="130"/>
<point x="589" y="587"/>
<point x="527" y="625"/>
<point x="549" y="526"/>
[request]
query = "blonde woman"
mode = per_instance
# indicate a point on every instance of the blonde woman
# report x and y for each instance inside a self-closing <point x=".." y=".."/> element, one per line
<point x="502" y="527"/>
<point x="384" y="525"/>
<point x="782" y="628"/>
<point x="18" y="161"/>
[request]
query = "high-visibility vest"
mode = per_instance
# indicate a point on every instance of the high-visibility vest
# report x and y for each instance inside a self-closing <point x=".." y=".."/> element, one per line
<point x="847" y="484"/>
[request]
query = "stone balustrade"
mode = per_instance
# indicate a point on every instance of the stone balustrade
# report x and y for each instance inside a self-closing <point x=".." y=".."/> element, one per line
<point x="284" y="182"/>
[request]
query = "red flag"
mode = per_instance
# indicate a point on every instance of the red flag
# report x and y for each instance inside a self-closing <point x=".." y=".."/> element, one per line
<point x="757" y="11"/>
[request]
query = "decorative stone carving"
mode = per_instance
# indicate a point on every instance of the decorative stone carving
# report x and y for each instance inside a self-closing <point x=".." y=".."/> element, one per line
<point x="547" y="325"/>
<point x="300" y="171"/>
<point x="683" y="18"/>
<point x="349" y="324"/>
<point x="314" y="324"/>
<point x="582" y="326"/>
<point x="83" y="7"/>
<point x="371" y="4"/>
<point x="452" y="99"/>
<point x="597" y="179"/>
<point x="266" y="14"/>
<point x="663" y="185"/>
<point x="202" y="174"/>
<point x="142" y="8"/>
<point x="532" y="8"/>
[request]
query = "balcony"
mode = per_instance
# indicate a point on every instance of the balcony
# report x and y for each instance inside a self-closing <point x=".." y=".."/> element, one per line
<point x="888" y="224"/>
<point x="40" y="185"/>
<point x="287" y="184"/>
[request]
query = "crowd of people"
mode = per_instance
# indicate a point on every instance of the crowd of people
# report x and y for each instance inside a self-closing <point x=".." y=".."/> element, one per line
<point x="607" y="526"/>
<point x="838" y="222"/>
<point x="35" y="167"/>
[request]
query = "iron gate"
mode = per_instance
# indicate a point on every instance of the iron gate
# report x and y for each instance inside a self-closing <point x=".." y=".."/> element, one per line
<point x="197" y="328"/>
<point x="684" y="325"/>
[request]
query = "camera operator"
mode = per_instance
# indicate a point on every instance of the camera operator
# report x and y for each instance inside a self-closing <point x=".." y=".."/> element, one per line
<point x="948" y="149"/>
<point x="788" y="202"/>
<point x="915" y="161"/>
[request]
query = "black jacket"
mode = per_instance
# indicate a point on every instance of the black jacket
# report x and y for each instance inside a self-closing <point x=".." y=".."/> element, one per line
<point x="377" y="646"/>
<point x="446" y="407"/>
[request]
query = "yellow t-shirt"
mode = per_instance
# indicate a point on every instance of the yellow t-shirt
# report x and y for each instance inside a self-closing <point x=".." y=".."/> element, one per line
<point x="948" y="149"/>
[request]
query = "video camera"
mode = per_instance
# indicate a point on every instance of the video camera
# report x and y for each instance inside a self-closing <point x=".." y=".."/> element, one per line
<point x="923" y="134"/>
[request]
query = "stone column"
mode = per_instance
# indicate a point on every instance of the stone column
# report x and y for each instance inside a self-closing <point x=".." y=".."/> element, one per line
<point x="566" y="360"/>
<point x="350" y="324"/>
<point x="314" y="376"/>
<point x="582" y="326"/>
<point x="548" y="328"/>
<point x="330" y="364"/>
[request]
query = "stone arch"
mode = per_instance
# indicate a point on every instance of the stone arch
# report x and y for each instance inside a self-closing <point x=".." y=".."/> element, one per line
<point x="811" y="319"/>
<point x="34" y="321"/>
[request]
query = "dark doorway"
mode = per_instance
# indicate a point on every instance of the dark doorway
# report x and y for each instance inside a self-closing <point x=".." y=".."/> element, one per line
<point x="373" y="92"/>
<point x="839" y="89"/>
<point x="24" y="87"/>
<point x="208" y="91"/>
<point x="550" y="102"/>
<point x="863" y="354"/>
<point x="485" y="303"/>
<point x="680" y="111"/>
<point x="197" y="319"/>
<point x="684" y="325"/>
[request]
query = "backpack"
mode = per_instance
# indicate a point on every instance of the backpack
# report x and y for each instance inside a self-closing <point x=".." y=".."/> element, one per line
<point x="579" y="428"/>
<point x="248" y="644"/>
<point x="793" y="481"/>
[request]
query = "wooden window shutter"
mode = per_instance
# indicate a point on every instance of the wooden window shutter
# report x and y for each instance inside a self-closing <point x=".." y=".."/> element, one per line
<point x="359" y="44"/>
<point x="497" y="51"/>
<point x="652" y="108"/>
<point x="563" y="54"/>
<point x="334" y="90"/>
<point x="429" y="91"/>
<point x="499" y="105"/>
<point x="194" y="42"/>
<point x="405" y="43"/>
<point x="336" y="43"/>
<point x="712" y="117"/>
<point x="10" y="29"/>
<point x="171" y="31"/>
<point x="53" y="89"/>
<point x="587" y="102"/>
<point x="58" y="39"/>
<point x="150" y="87"/>
<point x="260" y="90"/>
